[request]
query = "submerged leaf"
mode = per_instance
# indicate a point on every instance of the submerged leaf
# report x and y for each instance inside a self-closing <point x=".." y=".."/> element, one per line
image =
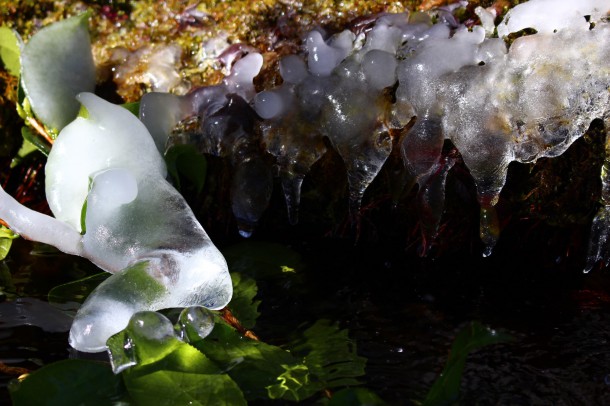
<point x="355" y="397"/>
<point x="180" y="388"/>
<point x="69" y="382"/>
<point x="446" y="389"/>
<point x="76" y="291"/>
<point x="263" y="260"/>
<point x="56" y="65"/>
<point x="330" y="355"/>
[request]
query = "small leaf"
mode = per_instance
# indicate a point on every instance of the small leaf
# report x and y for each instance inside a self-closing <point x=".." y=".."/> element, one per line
<point x="6" y="241"/>
<point x="184" y="161"/>
<point x="472" y="337"/>
<point x="26" y="149"/>
<point x="36" y="140"/>
<point x="56" y="65"/>
<point x="10" y="49"/>
<point x="69" y="382"/>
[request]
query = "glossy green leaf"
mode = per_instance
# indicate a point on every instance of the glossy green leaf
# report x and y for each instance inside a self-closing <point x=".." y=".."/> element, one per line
<point x="445" y="390"/>
<point x="69" y="382"/>
<point x="242" y="305"/>
<point x="10" y="50"/>
<point x="67" y="70"/>
<point x="330" y="355"/>
<point x="185" y="162"/>
<point x="355" y="397"/>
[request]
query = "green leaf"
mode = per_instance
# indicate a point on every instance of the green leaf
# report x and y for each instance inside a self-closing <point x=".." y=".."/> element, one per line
<point x="10" y="50"/>
<point x="254" y="365"/>
<point x="26" y="149"/>
<point x="355" y="397"/>
<point x="330" y="355"/>
<point x="184" y="161"/>
<point x="36" y="140"/>
<point x="69" y="382"/>
<point x="171" y="388"/>
<point x="133" y="107"/>
<point x="446" y="389"/>
<point x="242" y="305"/>
<point x="6" y="241"/>
<point x="56" y="65"/>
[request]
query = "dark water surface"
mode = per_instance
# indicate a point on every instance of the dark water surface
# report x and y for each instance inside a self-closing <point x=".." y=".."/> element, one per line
<point x="403" y="312"/>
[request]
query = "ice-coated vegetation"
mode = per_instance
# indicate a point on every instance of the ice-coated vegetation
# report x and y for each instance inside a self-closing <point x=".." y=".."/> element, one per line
<point x="401" y="81"/>
<point x="427" y="80"/>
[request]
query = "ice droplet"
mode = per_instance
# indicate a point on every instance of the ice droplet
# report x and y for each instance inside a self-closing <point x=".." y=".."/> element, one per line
<point x="195" y="323"/>
<point x="151" y="326"/>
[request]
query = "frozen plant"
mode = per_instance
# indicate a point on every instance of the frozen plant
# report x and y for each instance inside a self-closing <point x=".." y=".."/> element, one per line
<point x="105" y="183"/>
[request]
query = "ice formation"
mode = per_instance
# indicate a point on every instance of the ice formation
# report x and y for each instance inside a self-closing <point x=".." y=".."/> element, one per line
<point x="442" y="80"/>
<point x="105" y="183"/>
<point x="399" y="81"/>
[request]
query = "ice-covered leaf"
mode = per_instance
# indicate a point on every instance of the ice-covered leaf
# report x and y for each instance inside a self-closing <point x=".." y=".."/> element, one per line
<point x="69" y="382"/>
<point x="472" y="337"/>
<point x="148" y="344"/>
<point x="160" y="369"/>
<point x="242" y="305"/>
<point x="10" y="48"/>
<point x="56" y="65"/>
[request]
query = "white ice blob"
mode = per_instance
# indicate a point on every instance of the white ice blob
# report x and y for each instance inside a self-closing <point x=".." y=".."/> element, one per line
<point x="322" y="57"/>
<point x="293" y="69"/>
<point x="268" y="104"/>
<point x="548" y="16"/>
<point x="379" y="68"/>
<point x="242" y="74"/>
